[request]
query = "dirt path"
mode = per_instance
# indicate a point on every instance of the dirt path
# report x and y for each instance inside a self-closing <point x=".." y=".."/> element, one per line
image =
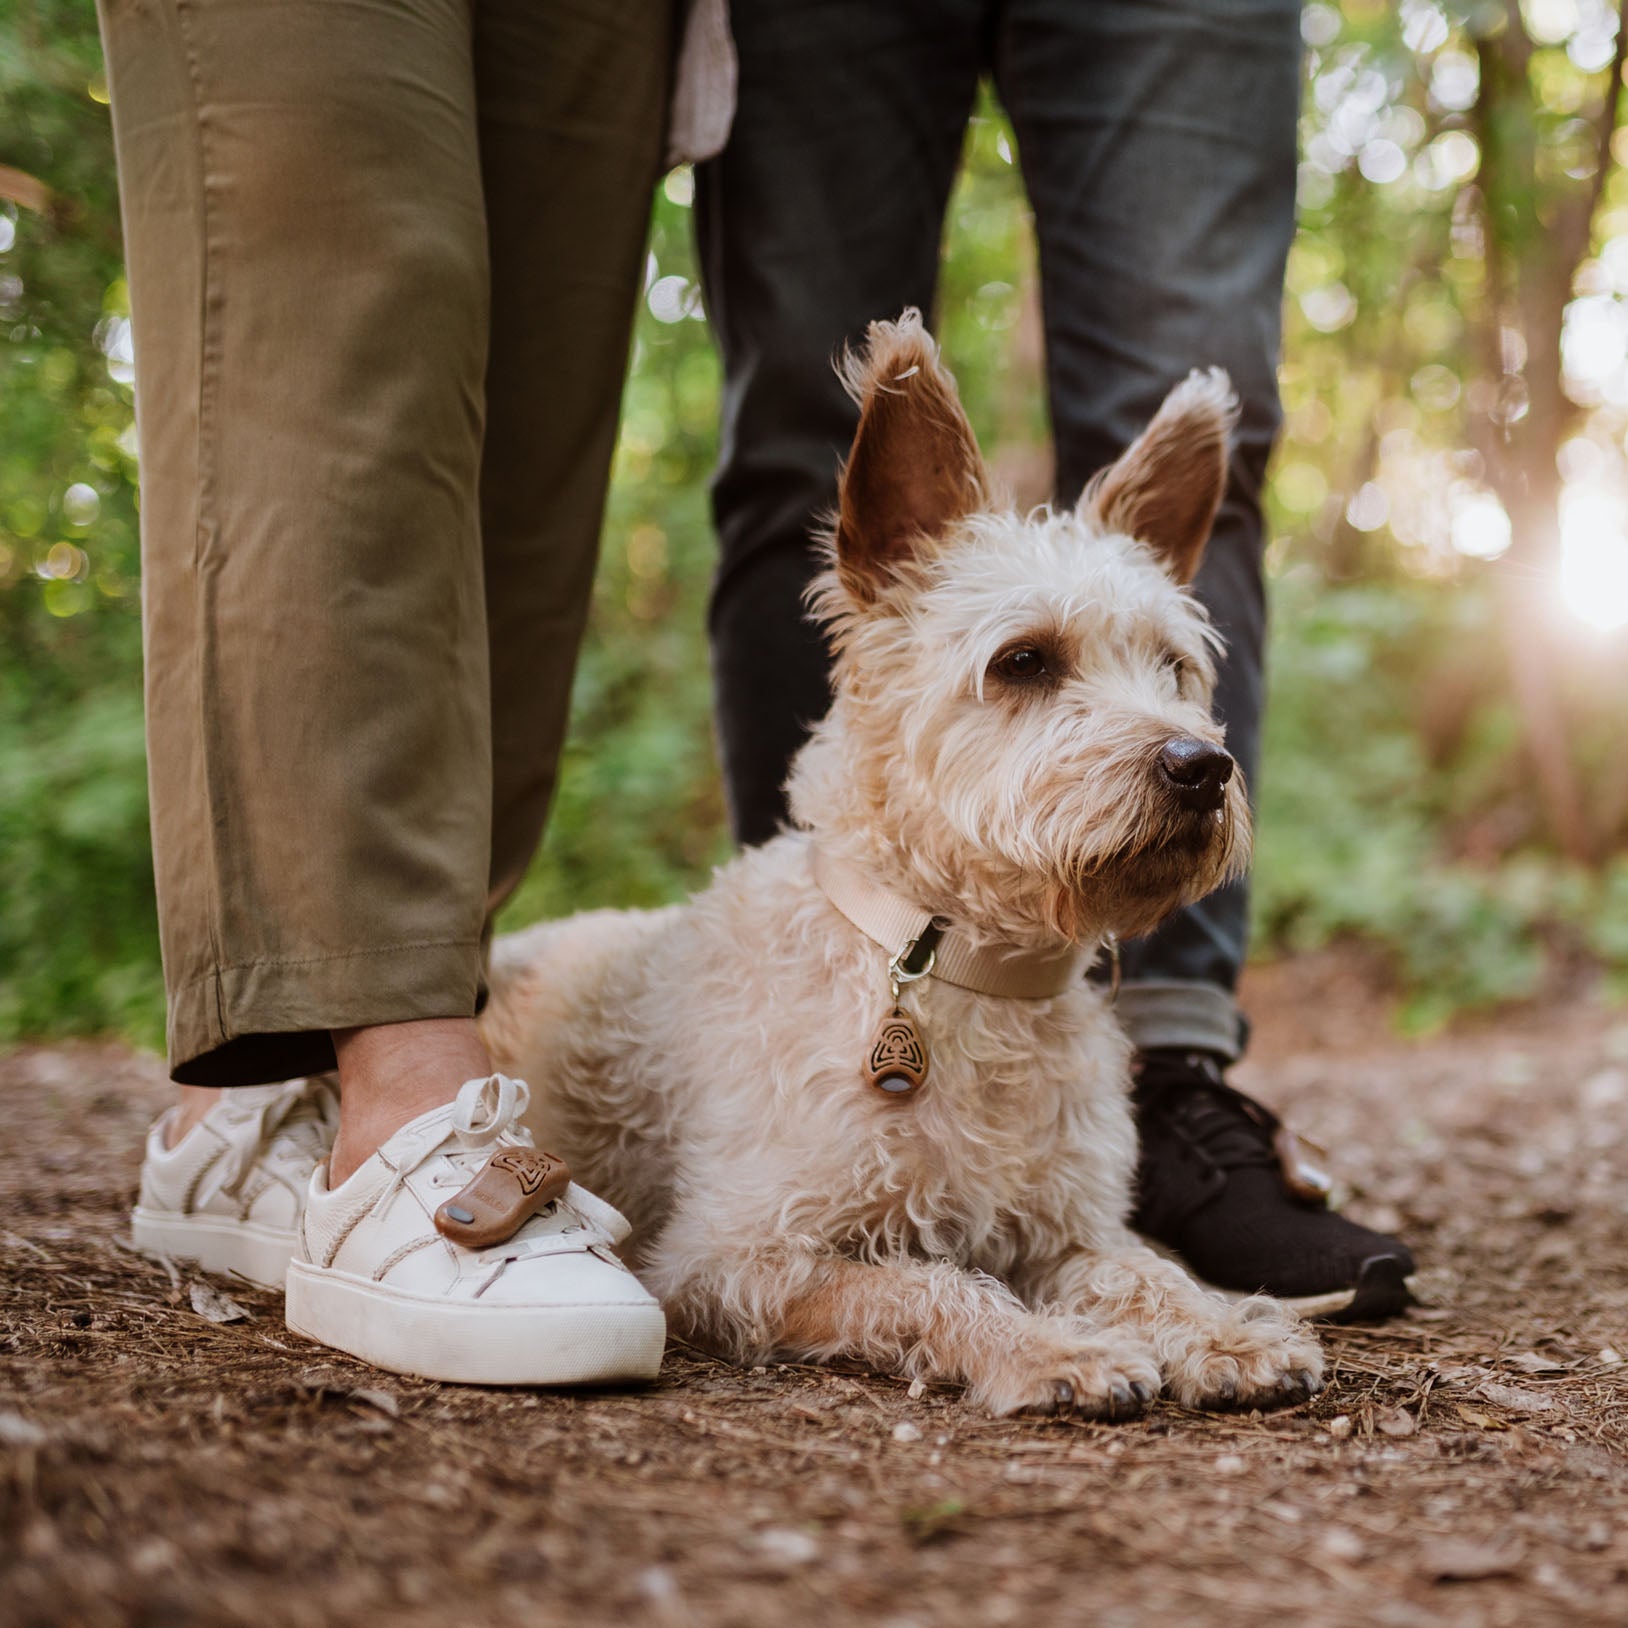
<point x="1468" y="1464"/>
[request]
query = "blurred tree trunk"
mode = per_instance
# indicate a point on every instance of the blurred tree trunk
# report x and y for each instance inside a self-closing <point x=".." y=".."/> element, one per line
<point x="1535" y="238"/>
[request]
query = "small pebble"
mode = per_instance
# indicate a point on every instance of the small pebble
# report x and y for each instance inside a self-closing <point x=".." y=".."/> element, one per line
<point x="786" y="1546"/>
<point x="906" y="1432"/>
<point x="16" y="1431"/>
<point x="1341" y="1543"/>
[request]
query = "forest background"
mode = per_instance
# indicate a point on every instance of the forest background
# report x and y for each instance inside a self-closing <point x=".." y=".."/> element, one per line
<point x="1445" y="777"/>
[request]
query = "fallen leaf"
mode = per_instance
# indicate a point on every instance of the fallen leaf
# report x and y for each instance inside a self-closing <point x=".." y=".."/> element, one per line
<point x="934" y="1521"/>
<point x="1529" y="1362"/>
<point x="1459" y="1373"/>
<point x="1512" y="1396"/>
<point x="1456" y="1560"/>
<point x="217" y="1307"/>
<point x="1395" y="1422"/>
<point x="1481" y="1421"/>
<point x="382" y="1400"/>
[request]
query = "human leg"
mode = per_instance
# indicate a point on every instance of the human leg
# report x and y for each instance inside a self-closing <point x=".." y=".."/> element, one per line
<point x="571" y="105"/>
<point x="307" y="261"/>
<point x="329" y="237"/>
<point x="570" y="122"/>
<point x="821" y="215"/>
<point x="1158" y="144"/>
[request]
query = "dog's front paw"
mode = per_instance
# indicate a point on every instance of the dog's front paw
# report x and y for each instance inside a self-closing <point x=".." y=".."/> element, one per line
<point x="1087" y="1376"/>
<point x="1256" y="1354"/>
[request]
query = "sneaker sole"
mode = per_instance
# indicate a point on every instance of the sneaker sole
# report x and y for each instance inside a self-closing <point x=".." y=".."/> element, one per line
<point x="476" y="1345"/>
<point x="1380" y="1291"/>
<point x="216" y="1243"/>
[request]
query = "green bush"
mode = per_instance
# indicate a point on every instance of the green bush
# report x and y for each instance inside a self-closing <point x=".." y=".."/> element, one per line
<point x="1364" y="817"/>
<point x="78" y="937"/>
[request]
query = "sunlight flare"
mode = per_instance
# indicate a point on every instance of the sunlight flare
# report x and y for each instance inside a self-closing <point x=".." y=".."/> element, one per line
<point x="1594" y="557"/>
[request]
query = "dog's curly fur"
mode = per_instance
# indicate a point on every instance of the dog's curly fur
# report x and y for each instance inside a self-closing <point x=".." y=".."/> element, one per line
<point x="700" y="1066"/>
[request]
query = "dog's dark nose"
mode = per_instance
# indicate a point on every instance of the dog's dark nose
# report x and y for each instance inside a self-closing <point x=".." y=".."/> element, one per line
<point x="1198" y="774"/>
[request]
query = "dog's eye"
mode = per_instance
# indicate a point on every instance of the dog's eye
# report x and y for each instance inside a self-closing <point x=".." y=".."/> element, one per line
<point x="1022" y="664"/>
<point x="1176" y="666"/>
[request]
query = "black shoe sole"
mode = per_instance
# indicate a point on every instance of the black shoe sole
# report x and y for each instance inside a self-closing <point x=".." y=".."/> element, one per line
<point x="1381" y="1290"/>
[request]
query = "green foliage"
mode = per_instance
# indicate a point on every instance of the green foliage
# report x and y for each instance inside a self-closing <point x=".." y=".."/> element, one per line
<point x="67" y="459"/>
<point x="1365" y="831"/>
<point x="78" y="936"/>
<point x="1396" y="797"/>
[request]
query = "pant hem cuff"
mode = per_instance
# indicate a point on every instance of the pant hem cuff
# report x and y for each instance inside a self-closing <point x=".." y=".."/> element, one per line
<point x="1171" y="1015"/>
<point x="272" y="1020"/>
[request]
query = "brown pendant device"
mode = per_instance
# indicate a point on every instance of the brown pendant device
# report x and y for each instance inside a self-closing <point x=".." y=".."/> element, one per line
<point x="896" y="1063"/>
<point x="510" y="1188"/>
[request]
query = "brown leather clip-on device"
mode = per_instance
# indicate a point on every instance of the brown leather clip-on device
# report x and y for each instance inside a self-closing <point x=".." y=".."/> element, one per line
<point x="510" y="1188"/>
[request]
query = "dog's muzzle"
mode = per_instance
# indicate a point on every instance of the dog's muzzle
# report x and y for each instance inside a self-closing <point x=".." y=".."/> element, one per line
<point x="1196" y="773"/>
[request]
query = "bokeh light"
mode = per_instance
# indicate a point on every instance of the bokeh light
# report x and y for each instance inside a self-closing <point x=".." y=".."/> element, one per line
<point x="1480" y="526"/>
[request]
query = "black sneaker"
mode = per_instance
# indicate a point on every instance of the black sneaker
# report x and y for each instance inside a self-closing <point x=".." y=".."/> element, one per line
<point x="1223" y="1184"/>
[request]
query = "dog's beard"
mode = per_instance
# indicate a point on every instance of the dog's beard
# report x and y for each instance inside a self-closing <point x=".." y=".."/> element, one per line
<point x="1172" y="858"/>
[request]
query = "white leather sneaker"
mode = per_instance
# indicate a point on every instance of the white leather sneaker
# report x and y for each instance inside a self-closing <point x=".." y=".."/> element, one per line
<point x="548" y="1304"/>
<point x="228" y="1195"/>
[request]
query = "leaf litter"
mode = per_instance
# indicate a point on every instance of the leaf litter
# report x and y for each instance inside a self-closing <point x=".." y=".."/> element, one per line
<point x="170" y="1452"/>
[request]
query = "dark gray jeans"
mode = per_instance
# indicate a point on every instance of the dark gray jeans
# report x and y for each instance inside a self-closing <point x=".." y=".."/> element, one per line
<point x="1157" y="141"/>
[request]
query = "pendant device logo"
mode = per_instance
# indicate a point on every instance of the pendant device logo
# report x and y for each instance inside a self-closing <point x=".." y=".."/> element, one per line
<point x="529" y="1168"/>
<point x="897" y="1060"/>
<point x="898" y="1046"/>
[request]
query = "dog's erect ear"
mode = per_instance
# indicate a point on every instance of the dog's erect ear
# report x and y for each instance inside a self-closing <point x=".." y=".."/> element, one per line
<point x="914" y="467"/>
<point x="1166" y="487"/>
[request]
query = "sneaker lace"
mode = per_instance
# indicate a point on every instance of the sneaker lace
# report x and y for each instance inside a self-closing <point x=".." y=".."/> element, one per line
<point x="485" y="1112"/>
<point x="1233" y="1130"/>
<point x="297" y="1120"/>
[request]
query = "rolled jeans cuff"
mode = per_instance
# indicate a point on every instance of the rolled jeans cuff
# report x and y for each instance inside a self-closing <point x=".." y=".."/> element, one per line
<point x="1162" y="1014"/>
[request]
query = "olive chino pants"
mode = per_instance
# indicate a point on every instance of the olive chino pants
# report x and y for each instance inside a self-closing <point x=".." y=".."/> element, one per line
<point x="383" y="258"/>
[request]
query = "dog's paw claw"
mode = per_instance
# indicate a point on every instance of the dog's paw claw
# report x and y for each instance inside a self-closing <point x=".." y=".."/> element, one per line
<point x="1254" y="1361"/>
<point x="1086" y="1379"/>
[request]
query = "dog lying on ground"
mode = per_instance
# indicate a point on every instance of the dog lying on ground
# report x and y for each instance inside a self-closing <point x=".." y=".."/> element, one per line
<point x="857" y="1097"/>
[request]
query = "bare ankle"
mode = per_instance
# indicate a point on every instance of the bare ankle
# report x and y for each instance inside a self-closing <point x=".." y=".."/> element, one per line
<point x="392" y="1073"/>
<point x="195" y="1101"/>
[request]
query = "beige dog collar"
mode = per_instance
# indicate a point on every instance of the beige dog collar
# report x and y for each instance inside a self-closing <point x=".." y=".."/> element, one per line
<point x="896" y="924"/>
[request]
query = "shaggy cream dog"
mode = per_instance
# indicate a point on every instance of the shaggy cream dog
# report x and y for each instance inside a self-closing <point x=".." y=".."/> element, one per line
<point x="1018" y="703"/>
